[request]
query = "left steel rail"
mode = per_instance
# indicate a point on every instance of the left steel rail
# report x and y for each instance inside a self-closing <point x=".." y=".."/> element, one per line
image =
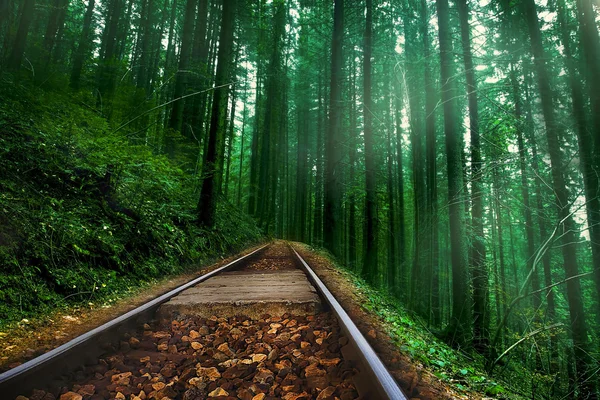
<point x="52" y="366"/>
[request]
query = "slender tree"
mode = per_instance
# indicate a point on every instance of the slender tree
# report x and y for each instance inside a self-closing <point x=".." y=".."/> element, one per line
<point x="207" y="205"/>
<point x="18" y="48"/>
<point x="332" y="212"/>
<point x="83" y="47"/>
<point x="458" y="329"/>
<point x="553" y="133"/>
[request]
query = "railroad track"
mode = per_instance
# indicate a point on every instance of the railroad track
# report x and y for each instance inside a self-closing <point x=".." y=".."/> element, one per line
<point x="294" y="342"/>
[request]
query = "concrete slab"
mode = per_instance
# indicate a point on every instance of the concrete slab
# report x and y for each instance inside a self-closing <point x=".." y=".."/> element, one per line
<point x="248" y="293"/>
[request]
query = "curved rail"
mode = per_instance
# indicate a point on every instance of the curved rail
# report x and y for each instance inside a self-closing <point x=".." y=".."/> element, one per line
<point x="86" y="348"/>
<point x="381" y="380"/>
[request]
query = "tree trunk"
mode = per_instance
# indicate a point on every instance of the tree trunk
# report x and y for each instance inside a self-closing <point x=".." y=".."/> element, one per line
<point x="207" y="204"/>
<point x="57" y="17"/>
<point x="370" y="264"/>
<point x="391" y="270"/>
<point x="318" y="215"/>
<point x="176" y="120"/>
<point x="83" y="47"/>
<point x="401" y="234"/>
<point x="574" y="295"/>
<point x="353" y="143"/>
<point x="331" y="223"/>
<point x="459" y="327"/>
<point x="16" y="55"/>
<point x="418" y="293"/>
<point x="431" y="101"/>
<point x="480" y="275"/>
<point x="585" y="140"/>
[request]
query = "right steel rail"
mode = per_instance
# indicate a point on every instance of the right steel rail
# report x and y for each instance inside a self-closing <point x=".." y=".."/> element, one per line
<point x="381" y="380"/>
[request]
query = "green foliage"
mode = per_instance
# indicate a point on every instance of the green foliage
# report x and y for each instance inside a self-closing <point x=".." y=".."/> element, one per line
<point x="85" y="214"/>
<point x="413" y="338"/>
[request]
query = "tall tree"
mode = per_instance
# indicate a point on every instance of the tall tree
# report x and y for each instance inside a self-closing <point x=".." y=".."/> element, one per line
<point x="370" y="264"/>
<point x="480" y="276"/>
<point x="57" y="18"/>
<point x="458" y="329"/>
<point x="568" y="248"/>
<point x="16" y="54"/>
<point x="431" y="100"/>
<point x="207" y="205"/>
<point x="83" y="47"/>
<point x="332" y="209"/>
<point x="184" y="58"/>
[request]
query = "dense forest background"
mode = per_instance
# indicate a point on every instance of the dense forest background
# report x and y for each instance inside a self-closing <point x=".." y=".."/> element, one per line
<point x="447" y="151"/>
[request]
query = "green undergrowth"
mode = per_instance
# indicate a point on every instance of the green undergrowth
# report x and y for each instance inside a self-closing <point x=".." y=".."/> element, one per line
<point x="463" y="372"/>
<point x="87" y="215"/>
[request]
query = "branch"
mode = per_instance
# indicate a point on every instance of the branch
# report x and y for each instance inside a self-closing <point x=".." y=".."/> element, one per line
<point x="515" y="344"/>
<point x="169" y="102"/>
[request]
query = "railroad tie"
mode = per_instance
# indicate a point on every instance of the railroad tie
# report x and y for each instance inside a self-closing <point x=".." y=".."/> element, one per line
<point x="250" y="293"/>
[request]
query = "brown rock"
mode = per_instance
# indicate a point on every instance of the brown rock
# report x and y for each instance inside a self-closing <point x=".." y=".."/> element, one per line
<point x="244" y="394"/>
<point x="326" y="393"/>
<point x="167" y="392"/>
<point x="284" y="337"/>
<point x="196" y="345"/>
<point x="211" y="374"/>
<point x="314" y="370"/>
<point x="263" y="376"/>
<point x="203" y="330"/>
<point x="218" y="392"/>
<point x="87" y="390"/>
<point x="329" y="362"/>
<point x="259" y="396"/>
<point x="197" y="383"/>
<point x="121" y="379"/>
<point x="194" y="334"/>
<point x="258" y="358"/>
<point x="161" y="335"/>
<point x="372" y="334"/>
<point x="71" y="396"/>
<point x="162" y="347"/>
<point x="295" y="396"/>
<point x="224" y="348"/>
<point x="120" y="396"/>
<point x="273" y="354"/>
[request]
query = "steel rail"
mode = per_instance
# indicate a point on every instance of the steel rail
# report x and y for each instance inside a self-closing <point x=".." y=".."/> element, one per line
<point x="381" y="380"/>
<point x="46" y="368"/>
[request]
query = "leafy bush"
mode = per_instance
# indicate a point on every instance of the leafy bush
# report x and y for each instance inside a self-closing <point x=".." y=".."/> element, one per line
<point x="84" y="213"/>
